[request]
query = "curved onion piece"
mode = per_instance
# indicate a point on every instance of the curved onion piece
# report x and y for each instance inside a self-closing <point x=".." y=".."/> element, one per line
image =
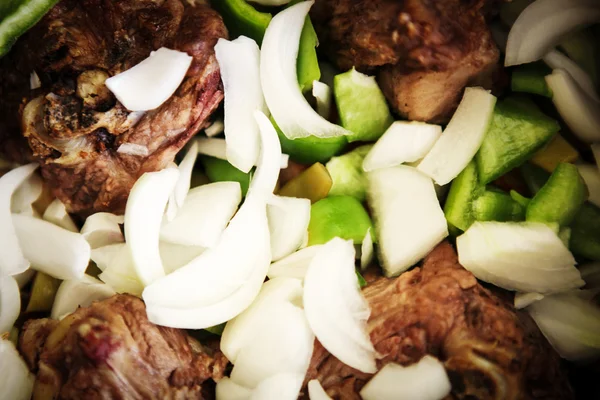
<point x="102" y="229"/>
<point x="285" y="100"/>
<point x="175" y="256"/>
<point x="579" y="111"/>
<point x="591" y="177"/>
<point x="218" y="148"/>
<point x="425" y="380"/>
<point x="143" y="218"/>
<point x="288" y="223"/>
<point x="216" y="128"/>
<point x="120" y="273"/>
<point x="526" y="257"/>
<point x="150" y="83"/>
<point x="182" y="187"/>
<point x="570" y="324"/>
<point x="322" y="93"/>
<point x="10" y="302"/>
<point x="227" y="389"/>
<point x="239" y="62"/>
<point x="335" y="308"/>
<point x="28" y="192"/>
<point x="522" y="300"/>
<point x="543" y="24"/>
<point x="366" y="250"/>
<point x="51" y="249"/>
<point x="462" y="137"/>
<point x="104" y="256"/>
<point x="15" y="379"/>
<point x="12" y="260"/>
<point x="73" y="294"/>
<point x="279" y="387"/>
<point x="316" y="391"/>
<point x="204" y="215"/>
<point x="295" y="265"/>
<point x="557" y="60"/>
<point x="57" y="214"/>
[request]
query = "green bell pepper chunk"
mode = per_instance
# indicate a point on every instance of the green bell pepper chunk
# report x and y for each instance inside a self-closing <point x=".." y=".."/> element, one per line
<point x="243" y="19"/>
<point x="464" y="190"/>
<point x="497" y="206"/>
<point x="531" y="78"/>
<point x="348" y="176"/>
<point x="307" y="64"/>
<point x="522" y="200"/>
<point x="361" y="281"/>
<point x="218" y="170"/>
<point x="338" y="216"/>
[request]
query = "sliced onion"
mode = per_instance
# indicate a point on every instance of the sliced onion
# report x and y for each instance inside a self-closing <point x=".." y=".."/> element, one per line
<point x="402" y="142"/>
<point x="557" y="60"/>
<point x="133" y="149"/>
<point x="288" y="222"/>
<point x="283" y="386"/>
<point x="34" y="81"/>
<point x="121" y="275"/>
<point x="461" y="138"/>
<point x="285" y="100"/>
<point x="182" y="187"/>
<point x="425" y="380"/>
<point x="239" y="61"/>
<point x="175" y="256"/>
<point x="143" y="218"/>
<point x="591" y="177"/>
<point x="10" y="302"/>
<point x="227" y="389"/>
<point x="570" y="324"/>
<point x="316" y="391"/>
<point x="57" y="214"/>
<point x="15" y="379"/>
<point x="522" y="300"/>
<point x="102" y="229"/>
<point x="73" y="294"/>
<point x="150" y="83"/>
<point x="322" y="93"/>
<point x="526" y="257"/>
<point x="543" y="24"/>
<point x="579" y="111"/>
<point x="218" y="148"/>
<point x="335" y="308"/>
<point x="366" y="250"/>
<point x="12" y="260"/>
<point x="104" y="256"/>
<point x="409" y="221"/>
<point x="51" y="249"/>
<point x="295" y="265"/>
<point x="28" y="193"/>
<point x="216" y="128"/>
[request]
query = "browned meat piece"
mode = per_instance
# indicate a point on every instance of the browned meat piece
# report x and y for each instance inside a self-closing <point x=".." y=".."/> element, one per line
<point x="111" y="351"/>
<point x="74" y="125"/>
<point x="489" y="350"/>
<point x="425" y="52"/>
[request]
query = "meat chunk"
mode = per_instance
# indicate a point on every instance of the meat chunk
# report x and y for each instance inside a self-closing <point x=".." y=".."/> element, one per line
<point x="425" y="52"/>
<point x="73" y="124"/>
<point x="111" y="351"/>
<point x="489" y="350"/>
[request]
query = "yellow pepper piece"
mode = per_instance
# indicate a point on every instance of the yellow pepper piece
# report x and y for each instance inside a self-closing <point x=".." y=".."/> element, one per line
<point x="43" y="292"/>
<point x="557" y="151"/>
<point x="313" y="183"/>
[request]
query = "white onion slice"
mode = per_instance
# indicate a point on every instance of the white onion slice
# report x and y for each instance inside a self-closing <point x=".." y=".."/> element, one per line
<point x="366" y="250"/>
<point x="143" y="218"/>
<point x="579" y="111"/>
<point x="402" y="142"/>
<point x="28" y="193"/>
<point x="133" y="149"/>
<point x="120" y="274"/>
<point x="288" y="222"/>
<point x="153" y="81"/>
<point x="335" y="308"/>
<point x="557" y="60"/>
<point x="15" y="379"/>
<point x="591" y="177"/>
<point x="182" y="187"/>
<point x="175" y="256"/>
<point x="73" y="294"/>
<point x="461" y="138"/>
<point x="10" y="302"/>
<point x="216" y="128"/>
<point x="12" y="260"/>
<point x="57" y="214"/>
<point x="102" y="229"/>
<point x="239" y="62"/>
<point x="322" y="93"/>
<point x="543" y="24"/>
<point x="295" y="265"/>
<point x="51" y="249"/>
<point x="104" y="256"/>
<point x="34" y="81"/>
<point x="285" y="100"/>
<point x="284" y="386"/>
<point x="217" y="148"/>
<point x="227" y="389"/>
<point x="425" y="380"/>
<point x="526" y="257"/>
<point x="316" y="391"/>
<point x="522" y="300"/>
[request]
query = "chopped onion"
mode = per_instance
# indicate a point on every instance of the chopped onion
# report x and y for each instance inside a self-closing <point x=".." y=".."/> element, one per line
<point x="335" y="308"/>
<point x="590" y="273"/>
<point x="285" y="100"/>
<point x="288" y="223"/>
<point x="526" y="257"/>
<point x="402" y="142"/>
<point x="409" y="221"/>
<point x="102" y="229"/>
<point x="227" y="389"/>
<point x="10" y="302"/>
<point x="133" y="149"/>
<point x="15" y="379"/>
<point x="150" y="83"/>
<point x="216" y="128"/>
<point x="543" y="24"/>
<point x="425" y="380"/>
<point x="51" y="249"/>
<point x="104" y="256"/>
<point x="366" y="250"/>
<point x="322" y="93"/>
<point x="175" y="256"/>
<point x="522" y="300"/>
<point x="461" y="138"/>
<point x="182" y="187"/>
<point x="73" y="294"/>
<point x="295" y="265"/>
<point x="143" y="218"/>
<point x="12" y="260"/>
<point x="204" y="215"/>
<point x="120" y="274"/>
<point x="28" y="193"/>
<point x="34" y="81"/>
<point x="570" y="324"/>
<point x="557" y="60"/>
<point x="579" y="111"/>
<point x="591" y="177"/>
<point x="283" y="386"/>
<point x="239" y="61"/>
<point x="218" y="148"/>
<point x="316" y="391"/>
<point x="57" y="214"/>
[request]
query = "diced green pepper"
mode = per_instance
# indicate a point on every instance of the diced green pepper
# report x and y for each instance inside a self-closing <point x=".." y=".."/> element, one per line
<point x="515" y="134"/>
<point x="535" y="177"/>
<point x="338" y="216"/>
<point x="348" y="175"/>
<point x="361" y="105"/>
<point x="361" y="281"/>
<point x="497" y="206"/>
<point x="43" y="291"/>
<point x="464" y="190"/>
<point x="314" y="183"/>
<point x="585" y="233"/>
<point x="531" y="78"/>
<point x="243" y="19"/>
<point x="560" y="198"/>
<point x="219" y="170"/>
<point x="307" y="64"/>
<point x="522" y="200"/>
